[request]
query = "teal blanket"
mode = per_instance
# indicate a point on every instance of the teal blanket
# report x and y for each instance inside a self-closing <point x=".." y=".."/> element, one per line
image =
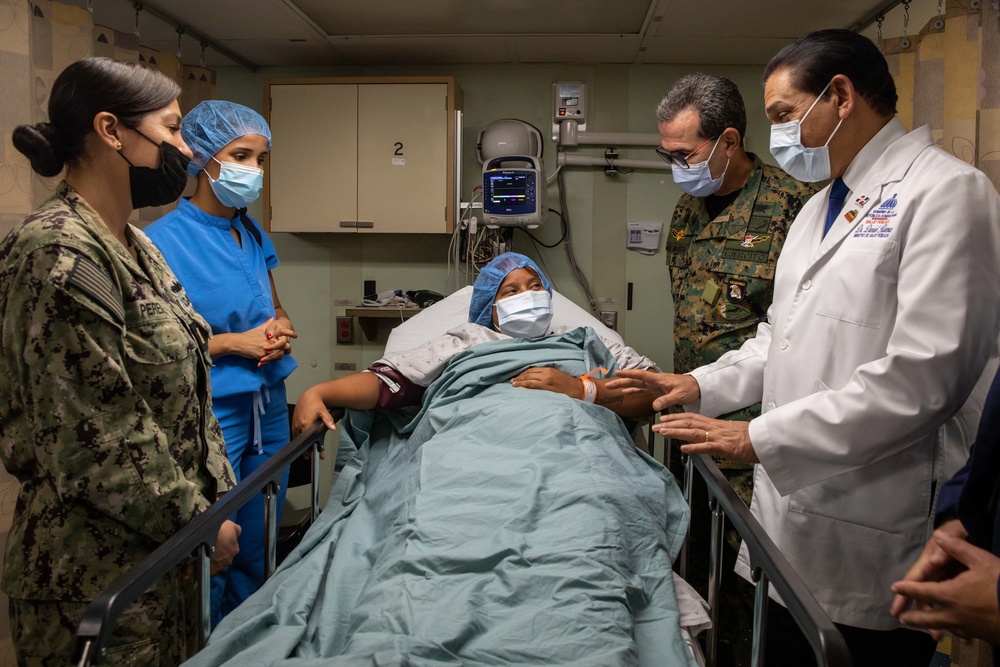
<point x="499" y="526"/>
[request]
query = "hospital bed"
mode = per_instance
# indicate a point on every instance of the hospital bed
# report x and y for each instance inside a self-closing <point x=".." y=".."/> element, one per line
<point x="769" y="567"/>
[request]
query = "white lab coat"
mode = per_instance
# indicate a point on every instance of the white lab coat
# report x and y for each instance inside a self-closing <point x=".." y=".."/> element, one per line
<point x="872" y="369"/>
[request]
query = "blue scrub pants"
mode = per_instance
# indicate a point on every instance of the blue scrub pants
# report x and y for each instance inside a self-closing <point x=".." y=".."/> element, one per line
<point x="236" y="416"/>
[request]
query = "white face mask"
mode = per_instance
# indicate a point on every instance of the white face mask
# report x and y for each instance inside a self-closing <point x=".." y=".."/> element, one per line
<point x="805" y="164"/>
<point x="697" y="179"/>
<point x="525" y="314"/>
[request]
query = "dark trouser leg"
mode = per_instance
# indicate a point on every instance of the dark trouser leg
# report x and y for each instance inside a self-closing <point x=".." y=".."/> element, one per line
<point x="735" y="595"/>
<point x="787" y="647"/>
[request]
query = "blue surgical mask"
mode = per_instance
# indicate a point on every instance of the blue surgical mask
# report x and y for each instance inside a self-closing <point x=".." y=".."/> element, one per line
<point x="525" y="314"/>
<point x="238" y="185"/>
<point x="697" y="179"/>
<point x="805" y="164"/>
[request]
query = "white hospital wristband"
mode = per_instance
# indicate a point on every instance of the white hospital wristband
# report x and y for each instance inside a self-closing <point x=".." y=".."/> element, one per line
<point x="589" y="390"/>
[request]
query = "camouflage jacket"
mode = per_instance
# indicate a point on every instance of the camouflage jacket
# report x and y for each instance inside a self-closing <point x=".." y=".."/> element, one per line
<point x="722" y="270"/>
<point x="107" y="418"/>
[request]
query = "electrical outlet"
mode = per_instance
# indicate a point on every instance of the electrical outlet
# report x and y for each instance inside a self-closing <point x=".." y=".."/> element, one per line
<point x="610" y="319"/>
<point x="341" y="366"/>
<point x="345" y="330"/>
<point x="345" y="302"/>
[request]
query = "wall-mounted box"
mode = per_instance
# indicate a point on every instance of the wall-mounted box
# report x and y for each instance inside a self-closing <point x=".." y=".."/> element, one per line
<point x="362" y="155"/>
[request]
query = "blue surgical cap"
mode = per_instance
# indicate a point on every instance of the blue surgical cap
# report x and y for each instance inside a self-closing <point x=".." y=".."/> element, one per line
<point x="211" y="125"/>
<point x="484" y="290"/>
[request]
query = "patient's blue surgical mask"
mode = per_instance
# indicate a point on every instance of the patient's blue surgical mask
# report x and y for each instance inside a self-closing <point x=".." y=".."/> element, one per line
<point x="525" y="314"/>
<point x="697" y="179"/>
<point x="238" y="185"/>
<point x="806" y="164"/>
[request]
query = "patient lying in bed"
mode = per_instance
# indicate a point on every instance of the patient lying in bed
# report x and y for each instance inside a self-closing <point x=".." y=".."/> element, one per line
<point x="497" y="526"/>
<point x="511" y="298"/>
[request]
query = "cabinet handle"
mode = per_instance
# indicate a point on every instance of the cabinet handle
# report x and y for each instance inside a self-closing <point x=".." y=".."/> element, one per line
<point x="364" y="224"/>
<point x="348" y="223"/>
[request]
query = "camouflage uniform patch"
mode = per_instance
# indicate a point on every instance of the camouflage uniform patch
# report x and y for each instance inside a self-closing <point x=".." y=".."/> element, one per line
<point x="736" y="254"/>
<point x="108" y="422"/>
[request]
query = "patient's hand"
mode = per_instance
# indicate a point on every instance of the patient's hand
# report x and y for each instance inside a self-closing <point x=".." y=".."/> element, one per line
<point x="670" y="389"/>
<point x="549" y="379"/>
<point x="308" y="409"/>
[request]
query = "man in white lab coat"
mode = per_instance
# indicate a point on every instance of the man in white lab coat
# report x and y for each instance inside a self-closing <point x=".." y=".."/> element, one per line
<point x="873" y="365"/>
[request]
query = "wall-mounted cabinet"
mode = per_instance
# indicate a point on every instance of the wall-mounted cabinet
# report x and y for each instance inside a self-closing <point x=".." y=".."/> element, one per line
<point x="362" y="155"/>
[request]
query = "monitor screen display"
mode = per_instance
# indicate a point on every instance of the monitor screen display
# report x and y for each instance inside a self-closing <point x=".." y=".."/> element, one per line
<point x="510" y="189"/>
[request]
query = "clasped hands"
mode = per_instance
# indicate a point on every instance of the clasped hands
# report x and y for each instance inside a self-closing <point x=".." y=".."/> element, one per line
<point x="717" y="437"/>
<point x="952" y="586"/>
<point x="269" y="341"/>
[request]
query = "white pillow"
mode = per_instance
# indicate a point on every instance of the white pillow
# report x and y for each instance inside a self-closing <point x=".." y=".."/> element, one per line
<point x="454" y="310"/>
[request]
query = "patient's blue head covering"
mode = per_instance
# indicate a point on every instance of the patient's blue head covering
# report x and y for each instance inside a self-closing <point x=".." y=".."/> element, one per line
<point x="211" y="125"/>
<point x="484" y="290"/>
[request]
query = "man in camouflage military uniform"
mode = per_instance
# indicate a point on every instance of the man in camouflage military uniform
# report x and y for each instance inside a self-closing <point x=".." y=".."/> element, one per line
<point x="107" y="423"/>
<point x="722" y="247"/>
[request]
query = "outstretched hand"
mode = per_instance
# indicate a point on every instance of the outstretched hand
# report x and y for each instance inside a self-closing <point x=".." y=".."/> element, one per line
<point x="717" y="437"/>
<point x="669" y="388"/>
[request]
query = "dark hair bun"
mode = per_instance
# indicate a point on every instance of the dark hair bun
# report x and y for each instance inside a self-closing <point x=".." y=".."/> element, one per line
<point x="40" y="144"/>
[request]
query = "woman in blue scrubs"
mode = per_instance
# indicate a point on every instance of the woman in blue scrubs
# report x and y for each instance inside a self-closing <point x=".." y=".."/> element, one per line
<point x="223" y="258"/>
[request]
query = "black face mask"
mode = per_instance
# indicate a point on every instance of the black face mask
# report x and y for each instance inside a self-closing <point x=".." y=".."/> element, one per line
<point x="163" y="185"/>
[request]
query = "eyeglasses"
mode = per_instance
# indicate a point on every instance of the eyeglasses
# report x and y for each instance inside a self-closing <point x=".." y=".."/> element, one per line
<point x="681" y="162"/>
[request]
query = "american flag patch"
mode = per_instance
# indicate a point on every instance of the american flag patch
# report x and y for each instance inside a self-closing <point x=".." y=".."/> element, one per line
<point x="97" y="284"/>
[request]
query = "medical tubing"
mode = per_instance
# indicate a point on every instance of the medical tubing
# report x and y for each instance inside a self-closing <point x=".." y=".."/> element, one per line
<point x="541" y="263"/>
<point x="580" y="277"/>
<point x="539" y="241"/>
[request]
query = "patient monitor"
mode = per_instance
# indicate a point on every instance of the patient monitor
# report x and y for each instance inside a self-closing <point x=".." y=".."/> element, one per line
<point x="513" y="192"/>
<point x="513" y="175"/>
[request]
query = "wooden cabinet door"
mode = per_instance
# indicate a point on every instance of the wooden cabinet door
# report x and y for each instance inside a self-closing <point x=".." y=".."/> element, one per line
<point x="402" y="157"/>
<point x="314" y="156"/>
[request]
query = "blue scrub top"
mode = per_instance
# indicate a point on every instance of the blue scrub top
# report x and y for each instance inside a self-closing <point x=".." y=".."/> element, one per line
<point x="228" y="285"/>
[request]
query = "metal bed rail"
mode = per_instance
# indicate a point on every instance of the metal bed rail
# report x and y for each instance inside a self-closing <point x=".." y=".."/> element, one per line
<point x="198" y="537"/>
<point x="768" y="567"/>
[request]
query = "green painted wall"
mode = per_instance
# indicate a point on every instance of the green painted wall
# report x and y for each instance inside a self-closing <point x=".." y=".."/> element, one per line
<point x="319" y="269"/>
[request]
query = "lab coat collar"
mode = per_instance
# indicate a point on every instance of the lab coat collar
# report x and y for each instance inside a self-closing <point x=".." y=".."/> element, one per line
<point x="192" y="212"/>
<point x="869" y="155"/>
<point x="885" y="159"/>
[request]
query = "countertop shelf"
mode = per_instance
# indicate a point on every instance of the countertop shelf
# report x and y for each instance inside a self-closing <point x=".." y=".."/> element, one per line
<point x="369" y="316"/>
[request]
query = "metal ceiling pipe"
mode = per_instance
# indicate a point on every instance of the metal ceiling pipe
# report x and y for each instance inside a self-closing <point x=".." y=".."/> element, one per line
<point x="158" y="13"/>
<point x="587" y="161"/>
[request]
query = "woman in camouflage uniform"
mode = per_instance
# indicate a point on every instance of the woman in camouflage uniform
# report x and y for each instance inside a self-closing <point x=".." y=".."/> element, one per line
<point x="107" y="421"/>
